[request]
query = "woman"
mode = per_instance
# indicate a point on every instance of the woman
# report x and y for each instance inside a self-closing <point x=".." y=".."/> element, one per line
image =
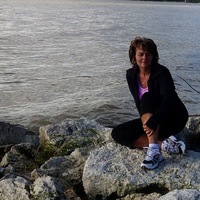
<point x="162" y="114"/>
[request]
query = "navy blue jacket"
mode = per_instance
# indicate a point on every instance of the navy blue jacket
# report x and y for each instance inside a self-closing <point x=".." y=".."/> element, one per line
<point x="161" y="85"/>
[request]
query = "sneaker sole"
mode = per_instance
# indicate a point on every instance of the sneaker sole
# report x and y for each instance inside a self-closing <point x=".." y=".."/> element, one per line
<point x="182" y="147"/>
<point x="151" y="168"/>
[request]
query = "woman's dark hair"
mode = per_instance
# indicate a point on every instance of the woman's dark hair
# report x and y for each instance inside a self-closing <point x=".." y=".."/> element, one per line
<point x="147" y="44"/>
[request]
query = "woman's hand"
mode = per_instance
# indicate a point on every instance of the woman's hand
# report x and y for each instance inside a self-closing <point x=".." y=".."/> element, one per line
<point x="144" y="119"/>
<point x="147" y="130"/>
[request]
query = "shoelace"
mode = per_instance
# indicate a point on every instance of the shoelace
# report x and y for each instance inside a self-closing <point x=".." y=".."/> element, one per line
<point x="151" y="152"/>
<point x="173" y="147"/>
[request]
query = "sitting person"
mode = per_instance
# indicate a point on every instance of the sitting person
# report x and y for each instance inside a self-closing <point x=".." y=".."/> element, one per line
<point x="162" y="113"/>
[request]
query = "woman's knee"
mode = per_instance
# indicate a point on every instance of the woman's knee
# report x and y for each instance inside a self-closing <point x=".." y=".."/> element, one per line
<point x="121" y="136"/>
<point x="145" y="117"/>
<point x="128" y="132"/>
<point x="116" y="134"/>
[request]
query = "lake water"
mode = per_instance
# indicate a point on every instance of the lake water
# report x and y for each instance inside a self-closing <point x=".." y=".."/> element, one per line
<point x="67" y="58"/>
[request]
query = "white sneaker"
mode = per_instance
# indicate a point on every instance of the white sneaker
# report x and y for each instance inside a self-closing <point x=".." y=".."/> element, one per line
<point x="152" y="159"/>
<point x="173" y="146"/>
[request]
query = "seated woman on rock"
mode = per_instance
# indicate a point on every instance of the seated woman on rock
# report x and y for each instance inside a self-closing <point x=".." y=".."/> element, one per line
<point x="162" y="113"/>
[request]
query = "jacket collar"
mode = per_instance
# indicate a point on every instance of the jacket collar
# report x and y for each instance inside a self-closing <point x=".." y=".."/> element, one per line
<point x="155" y="70"/>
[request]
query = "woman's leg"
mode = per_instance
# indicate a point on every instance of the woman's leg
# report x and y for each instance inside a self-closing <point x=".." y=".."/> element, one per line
<point x="148" y="107"/>
<point x="141" y="142"/>
<point x="153" y="138"/>
<point x="153" y="156"/>
<point x="130" y="134"/>
<point x="170" y="125"/>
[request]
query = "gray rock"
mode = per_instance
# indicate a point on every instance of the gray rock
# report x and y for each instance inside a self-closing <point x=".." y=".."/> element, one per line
<point x="185" y="194"/>
<point x="70" y="134"/>
<point x="105" y="168"/>
<point x="20" y="157"/>
<point x="47" y="188"/>
<point x="68" y="169"/>
<point x="193" y="126"/>
<point x="192" y="133"/>
<point x="71" y="195"/>
<point x="141" y="196"/>
<point x="15" y="188"/>
<point x="44" y="188"/>
<point x="115" y="169"/>
<point x="15" y="134"/>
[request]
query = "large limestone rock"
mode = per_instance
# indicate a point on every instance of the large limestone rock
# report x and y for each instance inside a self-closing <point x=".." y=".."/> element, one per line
<point x="71" y="134"/>
<point x="115" y="170"/>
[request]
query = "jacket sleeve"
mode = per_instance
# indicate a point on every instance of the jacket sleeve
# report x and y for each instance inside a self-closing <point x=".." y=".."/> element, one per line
<point x="131" y="78"/>
<point x="168" y="99"/>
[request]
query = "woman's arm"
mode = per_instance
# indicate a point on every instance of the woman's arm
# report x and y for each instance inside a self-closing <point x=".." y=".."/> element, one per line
<point x="168" y="99"/>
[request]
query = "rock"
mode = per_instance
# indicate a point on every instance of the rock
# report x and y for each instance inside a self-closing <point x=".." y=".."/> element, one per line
<point x="193" y="126"/>
<point x="15" y="134"/>
<point x="192" y="133"/>
<point x="4" y="149"/>
<point x="20" y="157"/>
<point x="71" y="195"/>
<point x="87" y="156"/>
<point x="69" y="135"/>
<point x="115" y="170"/>
<point x="16" y="187"/>
<point x="186" y="194"/>
<point x="47" y="188"/>
<point x="141" y="196"/>
<point x="68" y="169"/>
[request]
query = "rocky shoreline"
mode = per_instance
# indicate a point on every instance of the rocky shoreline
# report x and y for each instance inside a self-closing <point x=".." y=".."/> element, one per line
<point x="77" y="159"/>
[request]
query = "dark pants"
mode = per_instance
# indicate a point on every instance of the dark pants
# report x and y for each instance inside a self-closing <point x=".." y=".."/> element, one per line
<point x="128" y="132"/>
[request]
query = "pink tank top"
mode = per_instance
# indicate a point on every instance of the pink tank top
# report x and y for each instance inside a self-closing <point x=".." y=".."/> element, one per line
<point x="141" y="90"/>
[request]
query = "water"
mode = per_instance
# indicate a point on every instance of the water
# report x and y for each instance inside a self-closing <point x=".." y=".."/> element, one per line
<point x="67" y="58"/>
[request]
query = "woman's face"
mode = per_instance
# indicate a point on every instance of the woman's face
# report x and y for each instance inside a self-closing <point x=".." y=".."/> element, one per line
<point x="143" y="58"/>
